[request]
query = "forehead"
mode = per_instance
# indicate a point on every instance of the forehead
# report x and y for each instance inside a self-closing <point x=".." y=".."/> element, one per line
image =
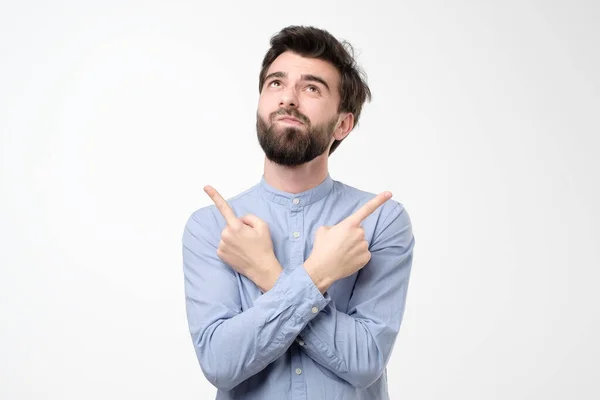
<point x="295" y="65"/>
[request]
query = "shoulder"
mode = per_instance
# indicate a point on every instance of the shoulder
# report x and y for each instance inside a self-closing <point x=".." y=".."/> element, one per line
<point x="207" y="219"/>
<point x="391" y="209"/>
<point x="389" y="226"/>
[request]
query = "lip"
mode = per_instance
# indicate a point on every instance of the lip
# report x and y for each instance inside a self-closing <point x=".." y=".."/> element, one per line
<point x="290" y="120"/>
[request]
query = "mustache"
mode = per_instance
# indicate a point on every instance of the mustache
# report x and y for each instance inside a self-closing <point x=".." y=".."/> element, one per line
<point x="292" y="112"/>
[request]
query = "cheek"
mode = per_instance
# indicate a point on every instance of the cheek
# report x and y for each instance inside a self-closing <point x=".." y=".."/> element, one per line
<point x="266" y="105"/>
<point x="317" y="113"/>
<point x="262" y="112"/>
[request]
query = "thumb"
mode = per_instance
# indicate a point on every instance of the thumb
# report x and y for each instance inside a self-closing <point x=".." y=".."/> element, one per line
<point x="251" y="220"/>
<point x="322" y="230"/>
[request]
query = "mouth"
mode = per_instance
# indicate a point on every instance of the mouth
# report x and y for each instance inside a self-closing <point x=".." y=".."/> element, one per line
<point x="289" y="120"/>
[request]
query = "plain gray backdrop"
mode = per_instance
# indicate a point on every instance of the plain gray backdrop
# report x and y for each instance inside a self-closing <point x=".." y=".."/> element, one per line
<point x="484" y="124"/>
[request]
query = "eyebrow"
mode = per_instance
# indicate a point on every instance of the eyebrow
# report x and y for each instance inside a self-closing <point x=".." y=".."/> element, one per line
<point x="306" y="77"/>
<point x="313" y="78"/>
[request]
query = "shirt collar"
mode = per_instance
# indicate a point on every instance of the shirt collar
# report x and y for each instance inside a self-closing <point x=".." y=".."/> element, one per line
<point x="296" y="200"/>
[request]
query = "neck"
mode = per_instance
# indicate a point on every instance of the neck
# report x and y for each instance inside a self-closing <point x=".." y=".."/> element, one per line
<point x="296" y="179"/>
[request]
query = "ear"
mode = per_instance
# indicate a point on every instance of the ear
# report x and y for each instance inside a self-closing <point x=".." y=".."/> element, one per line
<point x="345" y="126"/>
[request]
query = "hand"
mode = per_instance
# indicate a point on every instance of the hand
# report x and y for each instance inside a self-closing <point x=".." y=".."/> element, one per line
<point x="246" y="245"/>
<point x="341" y="250"/>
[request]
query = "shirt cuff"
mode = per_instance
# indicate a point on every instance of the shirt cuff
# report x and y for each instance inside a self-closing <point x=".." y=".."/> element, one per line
<point x="302" y="293"/>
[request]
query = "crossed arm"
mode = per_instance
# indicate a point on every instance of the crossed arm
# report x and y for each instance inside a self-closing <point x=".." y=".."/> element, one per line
<point x="356" y="345"/>
<point x="232" y="345"/>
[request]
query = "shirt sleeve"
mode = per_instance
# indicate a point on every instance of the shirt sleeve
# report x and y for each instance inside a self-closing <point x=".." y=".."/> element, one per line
<point x="356" y="345"/>
<point x="232" y="345"/>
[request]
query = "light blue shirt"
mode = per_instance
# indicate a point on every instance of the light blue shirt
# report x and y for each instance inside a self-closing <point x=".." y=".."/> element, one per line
<point x="292" y="342"/>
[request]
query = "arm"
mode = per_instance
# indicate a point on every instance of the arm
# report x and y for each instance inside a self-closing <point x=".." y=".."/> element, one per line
<point x="356" y="346"/>
<point x="232" y="345"/>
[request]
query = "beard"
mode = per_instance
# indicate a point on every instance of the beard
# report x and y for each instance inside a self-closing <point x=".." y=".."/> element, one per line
<point x="293" y="145"/>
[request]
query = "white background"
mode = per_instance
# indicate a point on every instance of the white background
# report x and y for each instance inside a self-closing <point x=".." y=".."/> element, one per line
<point x="484" y="124"/>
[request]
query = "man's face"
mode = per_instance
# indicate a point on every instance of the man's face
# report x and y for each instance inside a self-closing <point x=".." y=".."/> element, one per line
<point x="297" y="110"/>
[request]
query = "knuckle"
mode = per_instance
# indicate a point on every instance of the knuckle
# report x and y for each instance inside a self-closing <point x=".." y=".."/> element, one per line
<point x="359" y="236"/>
<point x="367" y="257"/>
<point x="225" y="233"/>
<point x="348" y="222"/>
<point x="259" y="222"/>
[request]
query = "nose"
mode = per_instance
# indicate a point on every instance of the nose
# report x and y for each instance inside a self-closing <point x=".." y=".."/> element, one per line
<point x="288" y="98"/>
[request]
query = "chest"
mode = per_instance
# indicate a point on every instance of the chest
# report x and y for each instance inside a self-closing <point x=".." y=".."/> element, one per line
<point x="293" y="235"/>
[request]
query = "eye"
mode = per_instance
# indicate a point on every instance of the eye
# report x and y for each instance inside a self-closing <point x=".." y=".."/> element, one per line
<point x="312" y="88"/>
<point x="275" y="83"/>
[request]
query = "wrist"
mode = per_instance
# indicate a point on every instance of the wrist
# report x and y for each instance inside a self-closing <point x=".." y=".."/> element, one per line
<point x="321" y="280"/>
<point x="269" y="275"/>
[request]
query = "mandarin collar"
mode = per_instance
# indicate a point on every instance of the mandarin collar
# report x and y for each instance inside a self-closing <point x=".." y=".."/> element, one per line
<point x="296" y="200"/>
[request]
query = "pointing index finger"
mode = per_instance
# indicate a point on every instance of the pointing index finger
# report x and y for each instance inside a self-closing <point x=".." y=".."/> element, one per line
<point x="222" y="205"/>
<point x="369" y="207"/>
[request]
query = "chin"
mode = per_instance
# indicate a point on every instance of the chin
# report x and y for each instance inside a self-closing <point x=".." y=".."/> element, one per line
<point x="285" y="128"/>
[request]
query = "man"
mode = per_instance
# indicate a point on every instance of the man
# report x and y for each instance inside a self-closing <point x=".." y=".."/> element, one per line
<point x="295" y="288"/>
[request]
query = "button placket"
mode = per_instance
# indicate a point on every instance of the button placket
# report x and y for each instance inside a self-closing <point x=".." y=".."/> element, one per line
<point x="295" y="231"/>
<point x="298" y="383"/>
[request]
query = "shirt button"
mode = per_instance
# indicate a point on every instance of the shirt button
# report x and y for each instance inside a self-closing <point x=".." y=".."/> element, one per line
<point x="298" y="371"/>
<point x="301" y="342"/>
<point x="296" y="234"/>
<point x="315" y="310"/>
<point x="296" y="201"/>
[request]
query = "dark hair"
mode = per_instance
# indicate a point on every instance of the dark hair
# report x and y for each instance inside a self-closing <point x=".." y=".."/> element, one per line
<point x="318" y="43"/>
